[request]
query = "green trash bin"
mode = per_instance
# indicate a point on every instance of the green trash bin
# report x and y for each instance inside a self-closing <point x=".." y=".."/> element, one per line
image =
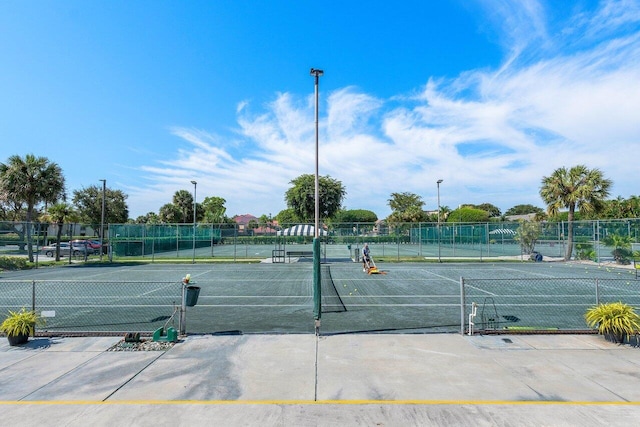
<point x="191" y="297"/>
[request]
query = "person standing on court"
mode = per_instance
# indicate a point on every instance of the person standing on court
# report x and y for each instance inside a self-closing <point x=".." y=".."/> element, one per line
<point x="365" y="256"/>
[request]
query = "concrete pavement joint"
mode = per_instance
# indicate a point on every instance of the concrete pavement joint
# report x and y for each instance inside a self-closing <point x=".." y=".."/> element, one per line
<point x="133" y="376"/>
<point x="62" y="376"/>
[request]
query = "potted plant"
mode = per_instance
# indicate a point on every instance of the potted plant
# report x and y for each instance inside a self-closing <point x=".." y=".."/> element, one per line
<point x="615" y="320"/>
<point x="19" y="325"/>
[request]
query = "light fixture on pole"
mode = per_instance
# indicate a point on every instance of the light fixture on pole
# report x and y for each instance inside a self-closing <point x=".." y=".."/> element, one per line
<point x="104" y="187"/>
<point x="317" y="73"/>
<point x="438" y="182"/>
<point x="195" y="184"/>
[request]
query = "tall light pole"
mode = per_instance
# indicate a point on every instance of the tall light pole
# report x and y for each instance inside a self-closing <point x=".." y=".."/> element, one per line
<point x="195" y="184"/>
<point x="104" y="188"/>
<point x="317" y="280"/>
<point x="317" y="73"/>
<point x="438" y="182"/>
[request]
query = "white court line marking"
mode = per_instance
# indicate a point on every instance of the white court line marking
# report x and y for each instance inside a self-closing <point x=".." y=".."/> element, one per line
<point x="401" y="296"/>
<point x="456" y="281"/>
<point x="457" y="304"/>
<point x="528" y="272"/>
<point x="70" y="300"/>
<point x="199" y="305"/>
<point x="159" y="289"/>
<point x="309" y="303"/>
<point x="255" y="296"/>
<point x="441" y="276"/>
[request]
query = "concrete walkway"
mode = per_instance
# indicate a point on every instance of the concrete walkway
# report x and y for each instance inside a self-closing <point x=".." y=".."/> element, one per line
<point x="301" y="380"/>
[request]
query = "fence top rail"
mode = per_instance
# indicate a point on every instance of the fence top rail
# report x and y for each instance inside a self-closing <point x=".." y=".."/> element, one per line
<point x="97" y="282"/>
<point x="546" y="279"/>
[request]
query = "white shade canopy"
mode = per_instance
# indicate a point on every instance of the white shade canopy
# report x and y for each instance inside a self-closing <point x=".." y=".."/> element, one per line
<point x="300" y="230"/>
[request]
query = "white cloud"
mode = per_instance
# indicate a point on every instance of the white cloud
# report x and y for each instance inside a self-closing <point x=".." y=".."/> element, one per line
<point x="521" y="23"/>
<point x="491" y="135"/>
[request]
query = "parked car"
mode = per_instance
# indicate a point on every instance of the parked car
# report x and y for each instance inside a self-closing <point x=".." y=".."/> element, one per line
<point x="65" y="248"/>
<point x="92" y="245"/>
<point x="98" y="245"/>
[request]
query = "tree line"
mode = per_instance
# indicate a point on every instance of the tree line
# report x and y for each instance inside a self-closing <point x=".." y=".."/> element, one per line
<point x="32" y="189"/>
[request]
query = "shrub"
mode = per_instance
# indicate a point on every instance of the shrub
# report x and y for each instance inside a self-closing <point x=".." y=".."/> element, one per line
<point x="527" y="235"/>
<point x="13" y="263"/>
<point x="622" y="255"/>
<point x="616" y="320"/>
<point x="20" y="323"/>
<point x="622" y="247"/>
<point x="585" y="251"/>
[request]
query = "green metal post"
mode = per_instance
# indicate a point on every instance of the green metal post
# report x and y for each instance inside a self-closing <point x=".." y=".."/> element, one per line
<point x="317" y="280"/>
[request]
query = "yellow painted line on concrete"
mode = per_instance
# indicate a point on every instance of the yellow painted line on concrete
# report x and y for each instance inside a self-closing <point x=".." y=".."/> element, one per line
<point x="318" y="402"/>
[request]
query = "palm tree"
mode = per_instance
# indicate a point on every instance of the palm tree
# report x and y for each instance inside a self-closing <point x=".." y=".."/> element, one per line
<point x="444" y="213"/>
<point x="632" y="206"/>
<point x="184" y="201"/>
<point x="60" y="213"/>
<point x="578" y="187"/>
<point x="31" y="180"/>
<point x="213" y="210"/>
<point x="169" y="214"/>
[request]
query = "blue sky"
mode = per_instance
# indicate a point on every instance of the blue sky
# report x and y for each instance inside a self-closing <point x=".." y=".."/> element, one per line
<point x="489" y="96"/>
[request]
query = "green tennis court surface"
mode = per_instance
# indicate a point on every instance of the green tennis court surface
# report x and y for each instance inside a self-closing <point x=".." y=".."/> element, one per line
<point x="278" y="298"/>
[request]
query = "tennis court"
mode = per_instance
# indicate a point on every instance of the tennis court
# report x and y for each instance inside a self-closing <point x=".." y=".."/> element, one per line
<point x="278" y="298"/>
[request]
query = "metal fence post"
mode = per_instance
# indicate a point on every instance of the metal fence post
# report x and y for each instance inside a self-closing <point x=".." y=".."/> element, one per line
<point x="153" y="243"/>
<point x="33" y="301"/>
<point x="597" y="238"/>
<point x="597" y="292"/>
<point x="183" y="311"/>
<point x="212" y="240"/>
<point x="461" y="305"/>
<point x="486" y="238"/>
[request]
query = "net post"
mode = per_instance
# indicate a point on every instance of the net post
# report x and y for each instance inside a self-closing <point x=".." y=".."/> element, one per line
<point x="182" y="324"/>
<point x="462" y="306"/>
<point x="317" y="280"/>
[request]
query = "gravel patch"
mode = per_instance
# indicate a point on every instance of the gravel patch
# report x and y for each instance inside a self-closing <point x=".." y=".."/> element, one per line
<point x="142" y="345"/>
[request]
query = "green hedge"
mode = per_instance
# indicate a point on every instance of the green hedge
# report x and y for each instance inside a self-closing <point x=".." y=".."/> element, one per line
<point x="13" y="263"/>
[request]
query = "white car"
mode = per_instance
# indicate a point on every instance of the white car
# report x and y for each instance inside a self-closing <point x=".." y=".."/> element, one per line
<point x="75" y="250"/>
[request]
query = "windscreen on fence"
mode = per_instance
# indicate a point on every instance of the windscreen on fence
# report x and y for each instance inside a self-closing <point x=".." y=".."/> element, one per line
<point x="449" y="240"/>
<point x="598" y="240"/>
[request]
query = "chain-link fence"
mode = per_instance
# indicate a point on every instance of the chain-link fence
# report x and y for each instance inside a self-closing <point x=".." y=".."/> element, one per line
<point x="400" y="241"/>
<point x="79" y="242"/>
<point x="283" y="303"/>
<point x="543" y="304"/>
<point x="93" y="306"/>
<point x="591" y="240"/>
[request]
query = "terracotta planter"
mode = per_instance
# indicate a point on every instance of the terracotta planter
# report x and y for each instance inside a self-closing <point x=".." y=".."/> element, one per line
<point x="17" y="339"/>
